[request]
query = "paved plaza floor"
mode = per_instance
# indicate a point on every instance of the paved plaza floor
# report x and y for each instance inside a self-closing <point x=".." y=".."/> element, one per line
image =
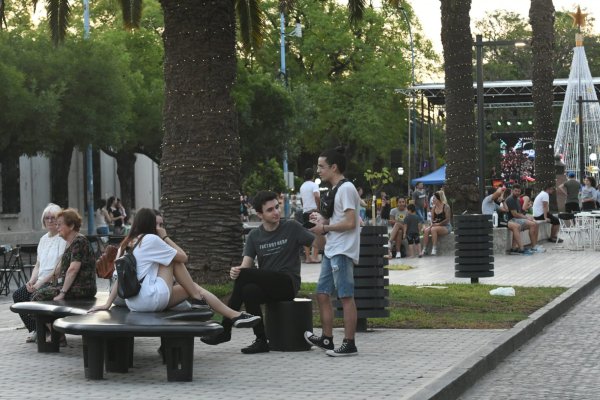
<point x="391" y="363"/>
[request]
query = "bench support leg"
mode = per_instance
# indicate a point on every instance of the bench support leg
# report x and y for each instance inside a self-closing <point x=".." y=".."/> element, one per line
<point x="93" y="357"/>
<point x="179" y="355"/>
<point x="117" y="354"/>
<point x="41" y="330"/>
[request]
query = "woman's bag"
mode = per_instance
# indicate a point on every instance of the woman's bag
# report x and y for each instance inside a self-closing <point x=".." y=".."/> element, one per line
<point x="105" y="265"/>
<point x="128" y="284"/>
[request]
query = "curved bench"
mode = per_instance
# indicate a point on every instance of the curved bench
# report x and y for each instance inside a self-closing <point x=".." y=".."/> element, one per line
<point x="108" y="338"/>
<point x="46" y="312"/>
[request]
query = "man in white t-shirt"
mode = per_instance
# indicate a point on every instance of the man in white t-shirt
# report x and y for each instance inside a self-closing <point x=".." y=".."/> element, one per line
<point x="541" y="211"/>
<point x="311" y="200"/>
<point x="339" y="222"/>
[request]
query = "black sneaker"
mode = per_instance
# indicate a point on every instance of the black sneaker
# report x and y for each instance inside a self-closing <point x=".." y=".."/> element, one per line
<point x="245" y="320"/>
<point x="346" y="349"/>
<point x="258" y="346"/>
<point x="217" y="339"/>
<point x="516" y="252"/>
<point x="322" y="342"/>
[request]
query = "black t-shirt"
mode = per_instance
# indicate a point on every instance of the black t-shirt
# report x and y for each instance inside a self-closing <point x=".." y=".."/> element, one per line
<point x="279" y="250"/>
<point x="513" y="204"/>
<point x="116" y="213"/>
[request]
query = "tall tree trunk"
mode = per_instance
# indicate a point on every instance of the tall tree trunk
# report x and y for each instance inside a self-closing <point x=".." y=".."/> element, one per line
<point x="60" y="164"/>
<point x="200" y="167"/>
<point x="461" y="135"/>
<point x="11" y="182"/>
<point x="126" y="173"/>
<point x="541" y="18"/>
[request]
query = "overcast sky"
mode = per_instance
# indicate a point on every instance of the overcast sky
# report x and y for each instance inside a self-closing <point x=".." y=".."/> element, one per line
<point x="428" y="12"/>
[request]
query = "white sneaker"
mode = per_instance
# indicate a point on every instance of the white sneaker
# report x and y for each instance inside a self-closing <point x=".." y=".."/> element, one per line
<point x="433" y="251"/>
<point x="539" y="249"/>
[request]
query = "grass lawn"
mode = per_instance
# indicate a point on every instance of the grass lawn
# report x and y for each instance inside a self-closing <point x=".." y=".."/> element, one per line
<point x="458" y="306"/>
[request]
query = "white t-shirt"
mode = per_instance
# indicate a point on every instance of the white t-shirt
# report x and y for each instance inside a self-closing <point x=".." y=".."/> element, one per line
<point x="307" y="193"/>
<point x="49" y="251"/>
<point x="150" y="253"/>
<point x="347" y="242"/>
<point x="488" y="205"/>
<point x="538" y="203"/>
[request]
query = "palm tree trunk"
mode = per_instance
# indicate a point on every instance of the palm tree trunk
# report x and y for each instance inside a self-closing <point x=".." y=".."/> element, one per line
<point x="461" y="135"/>
<point x="541" y="18"/>
<point x="200" y="168"/>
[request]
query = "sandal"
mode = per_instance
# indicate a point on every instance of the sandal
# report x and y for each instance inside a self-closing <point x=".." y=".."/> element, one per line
<point x="32" y="338"/>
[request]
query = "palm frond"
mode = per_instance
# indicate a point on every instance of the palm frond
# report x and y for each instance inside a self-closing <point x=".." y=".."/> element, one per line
<point x="58" y="17"/>
<point x="286" y="5"/>
<point x="132" y="13"/>
<point x="396" y="3"/>
<point x="2" y="16"/>
<point x="251" y="19"/>
<point x="356" y="9"/>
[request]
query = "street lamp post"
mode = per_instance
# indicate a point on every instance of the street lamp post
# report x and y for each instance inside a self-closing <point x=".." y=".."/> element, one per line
<point x="412" y="123"/>
<point x="89" y="152"/>
<point x="283" y="72"/>
<point x="479" y="43"/>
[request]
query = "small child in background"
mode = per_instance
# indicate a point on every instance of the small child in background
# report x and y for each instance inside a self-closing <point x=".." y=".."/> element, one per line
<point x="411" y="231"/>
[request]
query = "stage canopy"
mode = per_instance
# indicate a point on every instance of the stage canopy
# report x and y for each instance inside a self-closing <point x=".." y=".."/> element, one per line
<point x="437" y="177"/>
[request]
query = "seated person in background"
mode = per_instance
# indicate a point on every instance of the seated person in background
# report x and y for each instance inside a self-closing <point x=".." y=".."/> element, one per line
<point x="49" y="250"/>
<point x="440" y="222"/>
<point x="397" y="215"/>
<point x="541" y="211"/>
<point x="493" y="201"/>
<point x="518" y="221"/>
<point x="411" y="231"/>
<point x="277" y="245"/>
<point x="160" y="261"/>
<point x="75" y="274"/>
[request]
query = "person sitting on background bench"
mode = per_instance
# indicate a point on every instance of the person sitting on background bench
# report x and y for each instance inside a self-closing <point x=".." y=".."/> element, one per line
<point x="541" y="211"/>
<point x="277" y="245"/>
<point x="159" y="260"/>
<point x="493" y="201"/>
<point x="518" y="221"/>
<point x="49" y="250"/>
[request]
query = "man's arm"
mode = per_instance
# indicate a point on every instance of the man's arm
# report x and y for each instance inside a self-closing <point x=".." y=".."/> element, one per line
<point x="317" y="196"/>
<point x="561" y="187"/>
<point x="247" y="262"/>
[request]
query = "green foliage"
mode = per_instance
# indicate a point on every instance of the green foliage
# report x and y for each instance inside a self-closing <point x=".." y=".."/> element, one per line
<point x="378" y="179"/>
<point x="266" y="111"/>
<point x="266" y="176"/>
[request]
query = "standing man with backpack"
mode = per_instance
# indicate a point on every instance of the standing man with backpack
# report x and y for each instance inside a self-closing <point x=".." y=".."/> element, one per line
<point x="338" y="223"/>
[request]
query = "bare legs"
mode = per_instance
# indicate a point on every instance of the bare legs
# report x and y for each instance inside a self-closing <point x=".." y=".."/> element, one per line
<point x="186" y="288"/>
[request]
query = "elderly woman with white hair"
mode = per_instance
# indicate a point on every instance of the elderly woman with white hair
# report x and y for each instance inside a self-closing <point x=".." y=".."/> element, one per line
<point x="50" y="248"/>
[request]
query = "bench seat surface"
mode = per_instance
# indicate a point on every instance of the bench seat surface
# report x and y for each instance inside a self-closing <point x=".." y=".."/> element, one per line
<point x="119" y="321"/>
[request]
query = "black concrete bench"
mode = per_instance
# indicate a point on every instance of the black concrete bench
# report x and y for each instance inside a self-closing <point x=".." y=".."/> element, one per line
<point x="108" y="338"/>
<point x="46" y="312"/>
<point x="286" y="322"/>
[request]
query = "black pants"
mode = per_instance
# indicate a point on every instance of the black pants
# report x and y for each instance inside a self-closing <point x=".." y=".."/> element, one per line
<point x="254" y="287"/>
<point x="572" y="207"/>
<point x="20" y="295"/>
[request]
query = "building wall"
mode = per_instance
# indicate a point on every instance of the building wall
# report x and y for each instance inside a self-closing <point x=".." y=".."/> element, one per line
<point x="26" y="227"/>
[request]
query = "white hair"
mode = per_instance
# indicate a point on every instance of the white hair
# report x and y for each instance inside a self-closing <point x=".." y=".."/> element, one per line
<point x="51" y="208"/>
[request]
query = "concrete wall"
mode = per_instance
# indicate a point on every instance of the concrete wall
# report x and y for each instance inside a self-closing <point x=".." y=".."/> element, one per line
<point x="25" y="227"/>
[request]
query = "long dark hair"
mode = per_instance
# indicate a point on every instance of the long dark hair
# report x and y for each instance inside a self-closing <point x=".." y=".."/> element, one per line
<point x="143" y="223"/>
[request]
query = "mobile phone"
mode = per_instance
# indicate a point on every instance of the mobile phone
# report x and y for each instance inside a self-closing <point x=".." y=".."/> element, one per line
<point x="308" y="225"/>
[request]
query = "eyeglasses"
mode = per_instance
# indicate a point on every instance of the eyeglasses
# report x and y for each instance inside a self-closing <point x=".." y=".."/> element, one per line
<point x="50" y="218"/>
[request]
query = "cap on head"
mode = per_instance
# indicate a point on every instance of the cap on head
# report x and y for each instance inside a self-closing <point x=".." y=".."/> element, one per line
<point x="571" y="174"/>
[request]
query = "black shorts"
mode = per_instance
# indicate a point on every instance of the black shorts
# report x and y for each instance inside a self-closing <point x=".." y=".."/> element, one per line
<point x="413" y="238"/>
<point x="553" y="219"/>
<point x="572" y="207"/>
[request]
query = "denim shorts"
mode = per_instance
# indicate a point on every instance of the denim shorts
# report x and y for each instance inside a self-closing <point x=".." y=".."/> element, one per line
<point x="336" y="273"/>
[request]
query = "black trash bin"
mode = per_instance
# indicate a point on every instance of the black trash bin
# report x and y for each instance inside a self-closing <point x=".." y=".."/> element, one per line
<point x="474" y="244"/>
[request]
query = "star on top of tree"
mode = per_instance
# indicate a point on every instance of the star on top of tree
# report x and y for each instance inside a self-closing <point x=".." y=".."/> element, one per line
<point x="578" y="18"/>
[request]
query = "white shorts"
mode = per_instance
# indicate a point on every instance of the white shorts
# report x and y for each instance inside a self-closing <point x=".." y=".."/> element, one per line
<point x="153" y="296"/>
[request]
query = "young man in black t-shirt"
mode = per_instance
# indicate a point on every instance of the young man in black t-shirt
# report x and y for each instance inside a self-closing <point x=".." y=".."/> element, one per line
<point x="276" y="244"/>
